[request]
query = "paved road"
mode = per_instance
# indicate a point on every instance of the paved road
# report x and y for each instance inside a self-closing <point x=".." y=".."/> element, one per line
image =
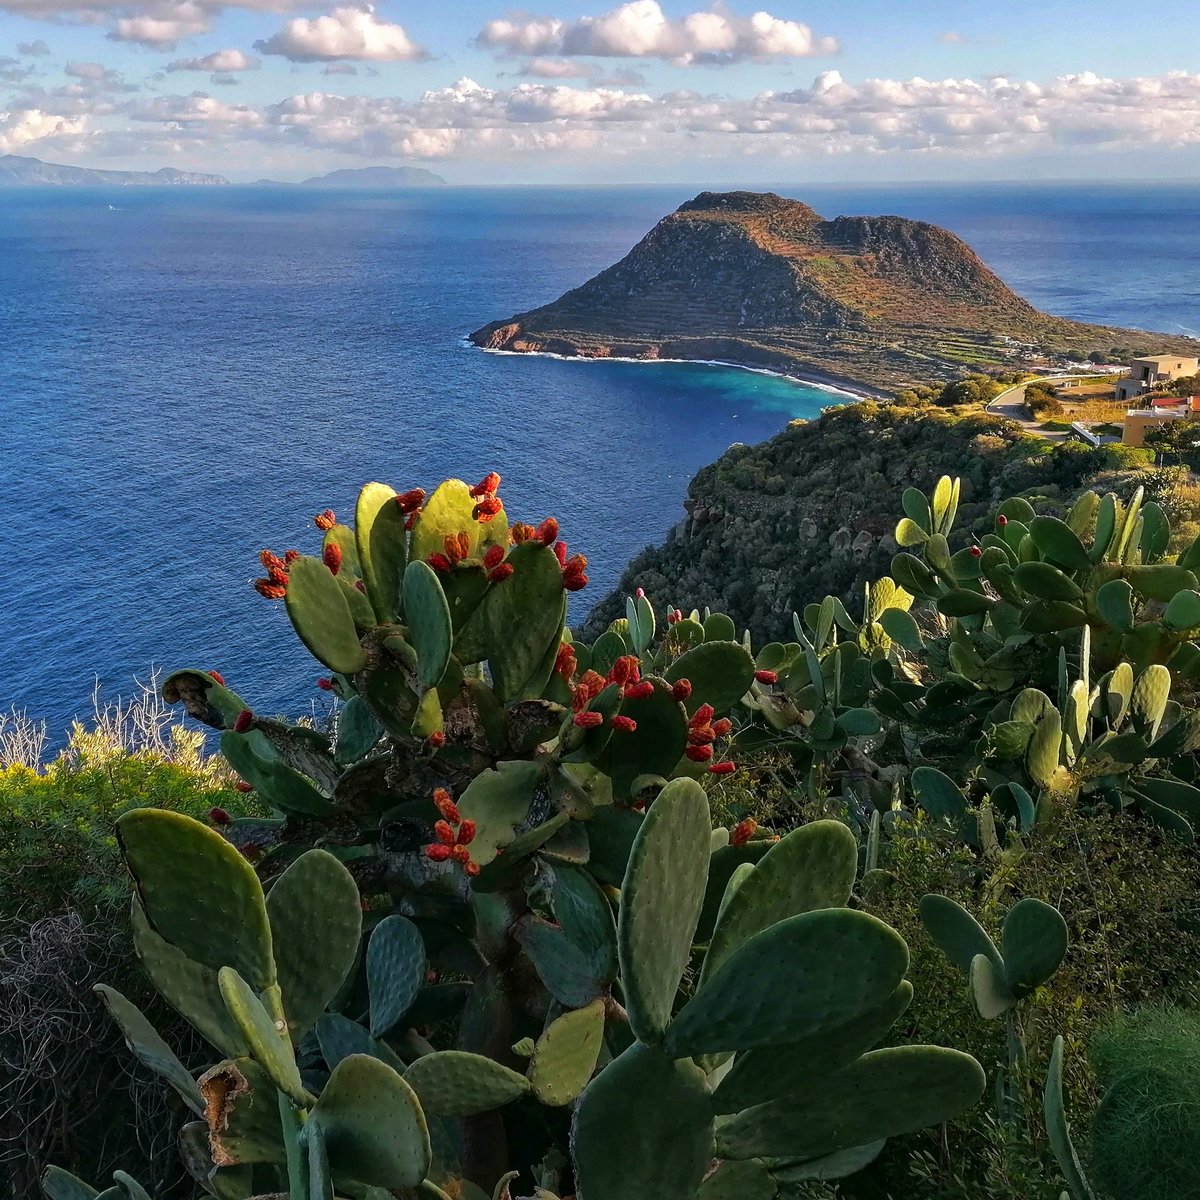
<point x="1011" y="404"/>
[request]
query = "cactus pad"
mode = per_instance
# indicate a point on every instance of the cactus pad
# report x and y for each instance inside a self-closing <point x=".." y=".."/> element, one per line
<point x="321" y="616"/>
<point x="395" y="971"/>
<point x="565" y="1055"/>
<point x="453" y="1083"/>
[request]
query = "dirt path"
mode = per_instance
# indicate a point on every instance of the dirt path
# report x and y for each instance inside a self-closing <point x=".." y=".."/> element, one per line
<point x="1011" y="405"/>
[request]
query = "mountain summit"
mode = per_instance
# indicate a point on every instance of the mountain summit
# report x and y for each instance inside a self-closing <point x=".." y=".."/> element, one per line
<point x="758" y="279"/>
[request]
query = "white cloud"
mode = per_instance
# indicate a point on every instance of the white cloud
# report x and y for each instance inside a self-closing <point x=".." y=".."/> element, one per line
<point x="21" y="128"/>
<point x="34" y="48"/>
<point x="221" y="61"/>
<point x="954" y="119"/>
<point x="355" y="33"/>
<point x="161" y="26"/>
<point x="952" y="38"/>
<point x="340" y="68"/>
<point x="640" y="29"/>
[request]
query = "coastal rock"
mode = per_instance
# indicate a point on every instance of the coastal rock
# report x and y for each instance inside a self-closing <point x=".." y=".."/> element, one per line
<point x="868" y="303"/>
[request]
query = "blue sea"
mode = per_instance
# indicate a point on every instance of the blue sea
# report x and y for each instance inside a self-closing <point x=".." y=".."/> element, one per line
<point x="186" y="376"/>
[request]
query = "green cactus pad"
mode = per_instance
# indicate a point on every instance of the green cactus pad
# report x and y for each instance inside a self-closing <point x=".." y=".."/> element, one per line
<point x="770" y="1073"/>
<point x="939" y="795"/>
<point x="660" y="903"/>
<point x="148" y="1047"/>
<point x="962" y="602"/>
<point x="611" y="834"/>
<point x="449" y="511"/>
<point x="902" y="628"/>
<point x="204" y="698"/>
<point x="276" y="782"/>
<point x="586" y="919"/>
<point x="429" y="627"/>
<point x="320" y="1177"/>
<point x="190" y="989"/>
<point x="316" y="923"/>
<point x="566" y="971"/>
<point x="1033" y="944"/>
<point x="339" y="1037"/>
<point x="1042" y="757"/>
<point x="748" y="1180"/>
<point x="198" y="892"/>
<point x="1150" y="695"/>
<point x="1058" y="543"/>
<point x="266" y="1037"/>
<point x="643" y="1127"/>
<point x="813" y="867"/>
<point x="719" y="628"/>
<point x="993" y="997"/>
<point x="1183" y="612"/>
<point x="720" y="672"/>
<point x="654" y="747"/>
<point x="1046" y="582"/>
<point x="382" y="543"/>
<point x="566" y="1054"/>
<point x="1161" y="581"/>
<point x="358" y="732"/>
<point x="522" y="619"/>
<point x="395" y="971"/>
<point x="833" y="965"/>
<point x="62" y="1185"/>
<point x="883" y="1094"/>
<point x="361" y="612"/>
<point x="498" y="801"/>
<point x="321" y="615"/>
<point x="373" y="1125"/>
<point x="832" y="1166"/>
<point x="453" y="1083"/>
<point x="243" y="1114"/>
<point x="958" y="934"/>
<point x="1058" y="1128"/>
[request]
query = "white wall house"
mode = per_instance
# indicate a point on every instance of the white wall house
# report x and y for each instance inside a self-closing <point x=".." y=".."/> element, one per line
<point x="1147" y="373"/>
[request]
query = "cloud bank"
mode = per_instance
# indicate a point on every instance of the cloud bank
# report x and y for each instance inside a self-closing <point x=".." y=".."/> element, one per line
<point x="346" y="33"/>
<point x="640" y="29"/>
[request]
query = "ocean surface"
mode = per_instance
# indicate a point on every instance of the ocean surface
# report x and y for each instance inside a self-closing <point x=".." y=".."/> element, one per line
<point x="186" y="376"/>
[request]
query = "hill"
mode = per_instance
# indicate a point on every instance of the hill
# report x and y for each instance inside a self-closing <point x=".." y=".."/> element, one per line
<point x="20" y="171"/>
<point x="376" y="177"/>
<point x="812" y="511"/>
<point x="765" y="281"/>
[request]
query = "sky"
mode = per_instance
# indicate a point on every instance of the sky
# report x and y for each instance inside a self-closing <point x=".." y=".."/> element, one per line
<point x="644" y="92"/>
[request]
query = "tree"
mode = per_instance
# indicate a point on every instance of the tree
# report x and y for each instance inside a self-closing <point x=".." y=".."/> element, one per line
<point x="1176" y="441"/>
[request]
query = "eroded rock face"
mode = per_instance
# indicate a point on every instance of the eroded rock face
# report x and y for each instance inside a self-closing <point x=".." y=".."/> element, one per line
<point x="763" y="280"/>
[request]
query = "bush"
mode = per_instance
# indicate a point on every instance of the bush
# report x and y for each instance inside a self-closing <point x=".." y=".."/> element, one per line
<point x="66" y="1093"/>
<point x="1143" y="1137"/>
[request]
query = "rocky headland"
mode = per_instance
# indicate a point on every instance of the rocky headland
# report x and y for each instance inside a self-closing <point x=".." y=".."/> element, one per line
<point x="869" y="303"/>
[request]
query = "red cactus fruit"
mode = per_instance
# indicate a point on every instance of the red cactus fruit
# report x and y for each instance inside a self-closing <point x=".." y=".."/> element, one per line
<point x="466" y="833"/>
<point x="722" y="768"/>
<point x="218" y="816"/>
<point x="588" y="720"/>
<point x="436" y="740"/>
<point x="681" y="689"/>
<point x="976" y="552"/>
<point x="547" y="531"/>
<point x="486" y="509"/>
<point x="486" y="486"/>
<point x="290" y="556"/>
<point x="269" y="590"/>
<point x="743" y="831"/>
<point x="560" y="552"/>
<point x="439" y="562"/>
<point x="472" y="868"/>
<point x="331" y="556"/>
<point x="766" y="676"/>
<point x="243" y="721"/>
<point x="243" y="786"/>
<point x="521" y="532"/>
<point x="699" y="753"/>
<point x="437" y="851"/>
<point x="444" y="803"/>
<point x="217" y="677"/>
<point x="325" y="520"/>
<point x="411" y="500"/>
<point x="270" y="560"/>
<point x="501" y="573"/>
<point x="640" y="690"/>
<point x="702" y="716"/>
<point x="444" y="833"/>
<point x="623" y="724"/>
<point x="722" y="727"/>
<point x="564" y="661"/>
<point x="493" y="556"/>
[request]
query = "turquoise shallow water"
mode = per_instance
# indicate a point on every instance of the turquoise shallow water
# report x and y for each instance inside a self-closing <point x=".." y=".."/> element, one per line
<point x="186" y="376"/>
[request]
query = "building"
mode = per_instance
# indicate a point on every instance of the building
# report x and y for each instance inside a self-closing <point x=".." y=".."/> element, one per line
<point x="1145" y="374"/>
<point x="1139" y="420"/>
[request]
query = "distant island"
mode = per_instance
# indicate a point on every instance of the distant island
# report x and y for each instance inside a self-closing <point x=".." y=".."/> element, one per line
<point x="364" y="178"/>
<point x="19" y="171"/>
<point x="863" y="302"/>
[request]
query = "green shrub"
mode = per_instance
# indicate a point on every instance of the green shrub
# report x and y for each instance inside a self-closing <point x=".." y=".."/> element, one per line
<point x="1144" y="1134"/>
<point x="65" y="1092"/>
